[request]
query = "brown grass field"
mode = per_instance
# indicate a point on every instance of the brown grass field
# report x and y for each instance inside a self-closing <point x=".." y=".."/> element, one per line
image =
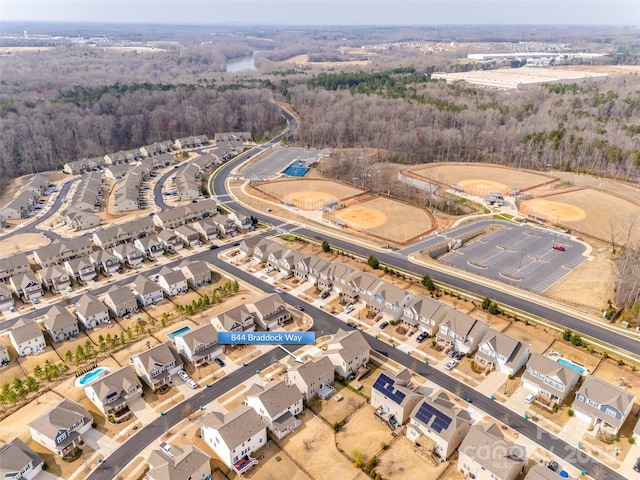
<point x="22" y="242"/>
<point x="309" y="194"/>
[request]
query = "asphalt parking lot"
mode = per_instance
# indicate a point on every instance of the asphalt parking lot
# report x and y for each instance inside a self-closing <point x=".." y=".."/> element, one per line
<point x="520" y="255"/>
<point x="279" y="159"/>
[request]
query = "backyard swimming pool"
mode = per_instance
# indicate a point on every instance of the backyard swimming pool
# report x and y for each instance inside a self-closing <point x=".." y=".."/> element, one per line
<point x="297" y="169"/>
<point x="573" y="366"/>
<point x="91" y="376"/>
<point x="177" y="333"/>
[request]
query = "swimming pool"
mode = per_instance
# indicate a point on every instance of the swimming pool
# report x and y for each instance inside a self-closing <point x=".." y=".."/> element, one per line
<point x="573" y="366"/>
<point x="297" y="169"/>
<point x="91" y="376"/>
<point x="177" y="333"/>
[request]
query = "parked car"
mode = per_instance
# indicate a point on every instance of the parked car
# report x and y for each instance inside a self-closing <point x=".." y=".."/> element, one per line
<point x="325" y="295"/>
<point x="184" y="375"/>
<point x="278" y="290"/>
<point x="422" y="337"/>
<point x="450" y="365"/>
<point x="192" y="384"/>
<point x="459" y="356"/>
<point x="351" y="324"/>
<point x="219" y="362"/>
<point x="558" y="247"/>
<point x="384" y="325"/>
<point x="12" y="309"/>
<point x="452" y="353"/>
<point x="36" y="301"/>
<point x="552" y="465"/>
<point x="530" y="397"/>
<point x="636" y="466"/>
<point x="349" y="309"/>
<point x="69" y="289"/>
<point x="299" y="307"/>
<point x="213" y="247"/>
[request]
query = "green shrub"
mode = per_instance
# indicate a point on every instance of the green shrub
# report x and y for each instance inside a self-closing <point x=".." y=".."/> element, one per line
<point x="632" y="440"/>
<point x="571" y="413"/>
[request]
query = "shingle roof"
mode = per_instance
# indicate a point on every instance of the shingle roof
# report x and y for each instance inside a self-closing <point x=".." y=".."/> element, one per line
<point x="180" y="465"/>
<point x="14" y="456"/>
<point x="275" y="396"/>
<point x="604" y="393"/>
<point x="172" y="276"/>
<point x="25" y="329"/>
<point x="202" y="335"/>
<point x="442" y="404"/>
<point x="144" y="286"/>
<point x="89" y="305"/>
<point x="547" y="367"/>
<point x="62" y="416"/>
<point x="120" y="295"/>
<point x="486" y="445"/>
<point x="348" y="344"/>
<point x="161" y="354"/>
<point x="58" y="318"/>
<point x="236" y="426"/>
<point x="115" y="382"/>
<point x="312" y="369"/>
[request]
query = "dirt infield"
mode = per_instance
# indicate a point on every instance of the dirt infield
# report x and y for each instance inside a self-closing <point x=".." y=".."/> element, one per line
<point x="480" y="179"/>
<point x="309" y="194"/>
<point x="590" y="212"/>
<point x="386" y="219"/>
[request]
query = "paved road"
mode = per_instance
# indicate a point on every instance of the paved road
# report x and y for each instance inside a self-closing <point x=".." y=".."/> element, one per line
<point x="324" y="323"/>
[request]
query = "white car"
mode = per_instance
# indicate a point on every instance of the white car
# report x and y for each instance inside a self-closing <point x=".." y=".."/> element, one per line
<point x="530" y="398"/>
<point x="69" y="289"/>
<point x="349" y="309"/>
<point x="192" y="384"/>
<point x="450" y="365"/>
<point x="184" y="375"/>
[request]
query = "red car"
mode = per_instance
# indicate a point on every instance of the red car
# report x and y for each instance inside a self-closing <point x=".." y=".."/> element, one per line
<point x="558" y="247"/>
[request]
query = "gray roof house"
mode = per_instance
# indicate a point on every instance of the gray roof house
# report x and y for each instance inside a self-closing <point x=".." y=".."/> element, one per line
<point x="604" y="405"/>
<point x="60" y="429"/>
<point x="26" y="286"/>
<point x="461" y="331"/>
<point x="548" y="378"/>
<point x="110" y="392"/>
<point x="13" y="265"/>
<point x="389" y="299"/>
<point x="188" y="235"/>
<point x="80" y="219"/>
<point x="271" y="312"/>
<point x="61" y="250"/>
<point x="91" y="311"/>
<point x="171" y="462"/>
<point x="60" y="324"/>
<point x="248" y="244"/>
<point x="237" y="319"/>
<point x="80" y="269"/>
<point x="393" y="398"/>
<point x="6" y="297"/>
<point x="200" y="345"/>
<point x="206" y="229"/>
<point x="487" y="455"/>
<point x="309" y="268"/>
<point x="234" y="436"/>
<point x="170" y="240"/>
<point x="146" y="291"/>
<point x="358" y="285"/>
<point x="120" y="301"/>
<point x="150" y="246"/>
<point x="104" y="261"/>
<point x="156" y="365"/>
<point x="55" y="277"/>
<point x="311" y="378"/>
<point x="425" y="314"/>
<point x="348" y="351"/>
<point x="502" y="352"/>
<point x="437" y="425"/>
<point x="26" y="337"/>
<point x="127" y="254"/>
<point x="173" y="282"/>
<point x="19" y="462"/>
<point x="277" y="403"/>
<point x="198" y="274"/>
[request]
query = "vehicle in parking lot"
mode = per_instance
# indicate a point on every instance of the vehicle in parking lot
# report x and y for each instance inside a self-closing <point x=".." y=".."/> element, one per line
<point x="530" y="397"/>
<point x="299" y="307"/>
<point x="219" y="362"/>
<point x="451" y="353"/>
<point x="558" y="247"/>
<point x="459" y="355"/>
<point x="384" y="325"/>
<point x="192" y="384"/>
<point x="184" y="375"/>
<point x="422" y="337"/>
<point x="325" y="295"/>
<point x="450" y="365"/>
<point x="351" y="324"/>
<point x="349" y="309"/>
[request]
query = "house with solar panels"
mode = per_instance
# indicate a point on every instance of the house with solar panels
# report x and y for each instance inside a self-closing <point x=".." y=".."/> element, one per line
<point x="437" y="425"/>
<point x="393" y="398"/>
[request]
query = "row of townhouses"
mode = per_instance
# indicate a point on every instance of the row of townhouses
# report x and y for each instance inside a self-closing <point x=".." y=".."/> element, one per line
<point x="85" y="203"/>
<point x="24" y="203"/>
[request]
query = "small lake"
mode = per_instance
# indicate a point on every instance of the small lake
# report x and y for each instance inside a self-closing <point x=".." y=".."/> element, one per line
<point x="240" y="64"/>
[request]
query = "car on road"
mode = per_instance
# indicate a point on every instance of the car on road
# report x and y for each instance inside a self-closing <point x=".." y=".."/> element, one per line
<point x="69" y="289"/>
<point x="192" y="384"/>
<point x="450" y="365"/>
<point x="530" y="397"/>
<point x="384" y="325"/>
<point x="559" y="247"/>
<point x="299" y="307"/>
<point x="351" y="324"/>
<point x="36" y="301"/>
<point x="278" y="290"/>
<point x="184" y="375"/>
<point x="213" y="247"/>
<point x="219" y="362"/>
<point x="422" y="337"/>
<point x="12" y="309"/>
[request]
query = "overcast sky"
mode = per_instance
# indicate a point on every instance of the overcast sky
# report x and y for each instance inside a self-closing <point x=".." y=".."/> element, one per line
<point x="331" y="12"/>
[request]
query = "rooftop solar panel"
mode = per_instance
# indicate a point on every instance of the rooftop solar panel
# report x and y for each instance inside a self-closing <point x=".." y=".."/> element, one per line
<point x="385" y="385"/>
<point x="427" y="412"/>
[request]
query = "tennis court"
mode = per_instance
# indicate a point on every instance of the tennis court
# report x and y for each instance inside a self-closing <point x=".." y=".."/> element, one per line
<point x="297" y="169"/>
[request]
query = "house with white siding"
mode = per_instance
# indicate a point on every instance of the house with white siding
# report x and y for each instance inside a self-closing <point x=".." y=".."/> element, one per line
<point x="80" y="269"/>
<point x="271" y="312"/>
<point x="156" y="365"/>
<point x="172" y="282"/>
<point x="237" y="319"/>
<point x="348" y="351"/>
<point x="91" y="311"/>
<point x="199" y="345"/>
<point x="19" y="462"/>
<point x="171" y="462"/>
<point x="393" y="398"/>
<point x="128" y="254"/>
<point x="26" y="337"/>
<point x="27" y="287"/>
<point x="198" y="274"/>
<point x="111" y="392"/>
<point x="461" y="331"/>
<point x="60" y="324"/>
<point x="311" y="378"/>
<point x="425" y="314"/>
<point x="121" y="301"/>
<point x="278" y="404"/>
<point x="55" y="278"/>
<point x="150" y="246"/>
<point x="502" y="352"/>
<point x="146" y="292"/>
<point x="104" y="261"/>
<point x="548" y="379"/>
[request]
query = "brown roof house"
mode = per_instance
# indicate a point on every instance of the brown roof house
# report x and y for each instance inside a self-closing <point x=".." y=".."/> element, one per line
<point x="277" y="404"/>
<point x="120" y="301"/>
<point x="171" y="462"/>
<point x="604" y="405"/>
<point x="393" y="398"/>
<point x="348" y="351"/>
<point x="60" y="429"/>
<point x="487" y="455"/>
<point x="548" y="378"/>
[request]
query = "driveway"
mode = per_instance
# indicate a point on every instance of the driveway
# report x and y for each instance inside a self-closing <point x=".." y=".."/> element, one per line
<point x="516" y="401"/>
<point x="99" y="442"/>
<point x="492" y="384"/>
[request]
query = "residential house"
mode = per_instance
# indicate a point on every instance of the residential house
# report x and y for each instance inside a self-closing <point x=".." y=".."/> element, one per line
<point x="27" y="286"/>
<point x="237" y="319"/>
<point x="200" y="345"/>
<point x="604" y="405"/>
<point x="111" y="392"/>
<point x="242" y="222"/>
<point x="248" y="244"/>
<point x="288" y="262"/>
<point x="88" y="194"/>
<point x="173" y="282"/>
<point x="146" y="291"/>
<point x="261" y="249"/>
<point x="389" y="299"/>
<point x="191" y="142"/>
<point x="348" y="351"/>
<point x="425" y="314"/>
<point x="120" y="301"/>
<point x="309" y="268"/>
<point x="55" y="278"/>
<point x="80" y="219"/>
<point x="233" y="136"/>
<point x="226" y="226"/>
<point x="170" y="240"/>
<point x="461" y="331"/>
<point x="116" y="172"/>
<point x="61" y="428"/>
<point x="13" y="265"/>
<point x="502" y="352"/>
<point x="60" y="324"/>
<point x="158" y="161"/>
<point x="26" y="337"/>
<point x="207" y="230"/>
<point x="104" y="261"/>
<point x="156" y="365"/>
<point x="177" y="216"/>
<point x="486" y="455"/>
<point x="150" y="246"/>
<point x="188" y="184"/>
<point x="311" y="378"/>
<point x="274" y="254"/>
<point x="393" y="398"/>
<point x="335" y="277"/>
<point x="271" y="312"/>
<point x="80" y="269"/>
<point x="59" y="251"/>
<point x="188" y="235"/>
<point x="197" y="273"/>
<point x="76" y="167"/>
<point x="19" y="462"/>
<point x="277" y="403"/>
<point x="4" y="355"/>
<point x="549" y="379"/>
<point x="6" y="298"/>
<point x="171" y="462"/>
<point x="124" y="232"/>
<point x="359" y="285"/>
<point x="157" y="148"/>
<point x="235" y="436"/>
<point x="127" y="254"/>
<point x="438" y="425"/>
<point x="91" y="311"/>
<point x="541" y="472"/>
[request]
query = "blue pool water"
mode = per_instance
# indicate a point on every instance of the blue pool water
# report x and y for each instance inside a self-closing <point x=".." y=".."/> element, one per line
<point x="92" y="376"/>
<point x="571" y="365"/>
<point x="297" y="169"/>
<point x="177" y="333"/>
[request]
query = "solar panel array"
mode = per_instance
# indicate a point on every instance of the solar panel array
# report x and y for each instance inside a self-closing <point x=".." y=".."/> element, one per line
<point x="385" y="385"/>
<point x="426" y="412"/>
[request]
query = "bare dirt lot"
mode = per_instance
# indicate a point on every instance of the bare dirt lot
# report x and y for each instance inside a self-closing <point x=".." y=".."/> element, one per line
<point x="22" y="242"/>
<point x="303" y="60"/>
<point x="309" y="194"/>
<point x="530" y="334"/>
<point x="399" y="462"/>
<point x="363" y="434"/>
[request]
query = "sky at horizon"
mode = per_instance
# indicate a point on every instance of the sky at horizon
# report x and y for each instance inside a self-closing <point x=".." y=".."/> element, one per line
<point x="328" y="12"/>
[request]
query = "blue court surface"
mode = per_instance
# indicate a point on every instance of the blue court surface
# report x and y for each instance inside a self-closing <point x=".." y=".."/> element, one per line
<point x="297" y="169"/>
